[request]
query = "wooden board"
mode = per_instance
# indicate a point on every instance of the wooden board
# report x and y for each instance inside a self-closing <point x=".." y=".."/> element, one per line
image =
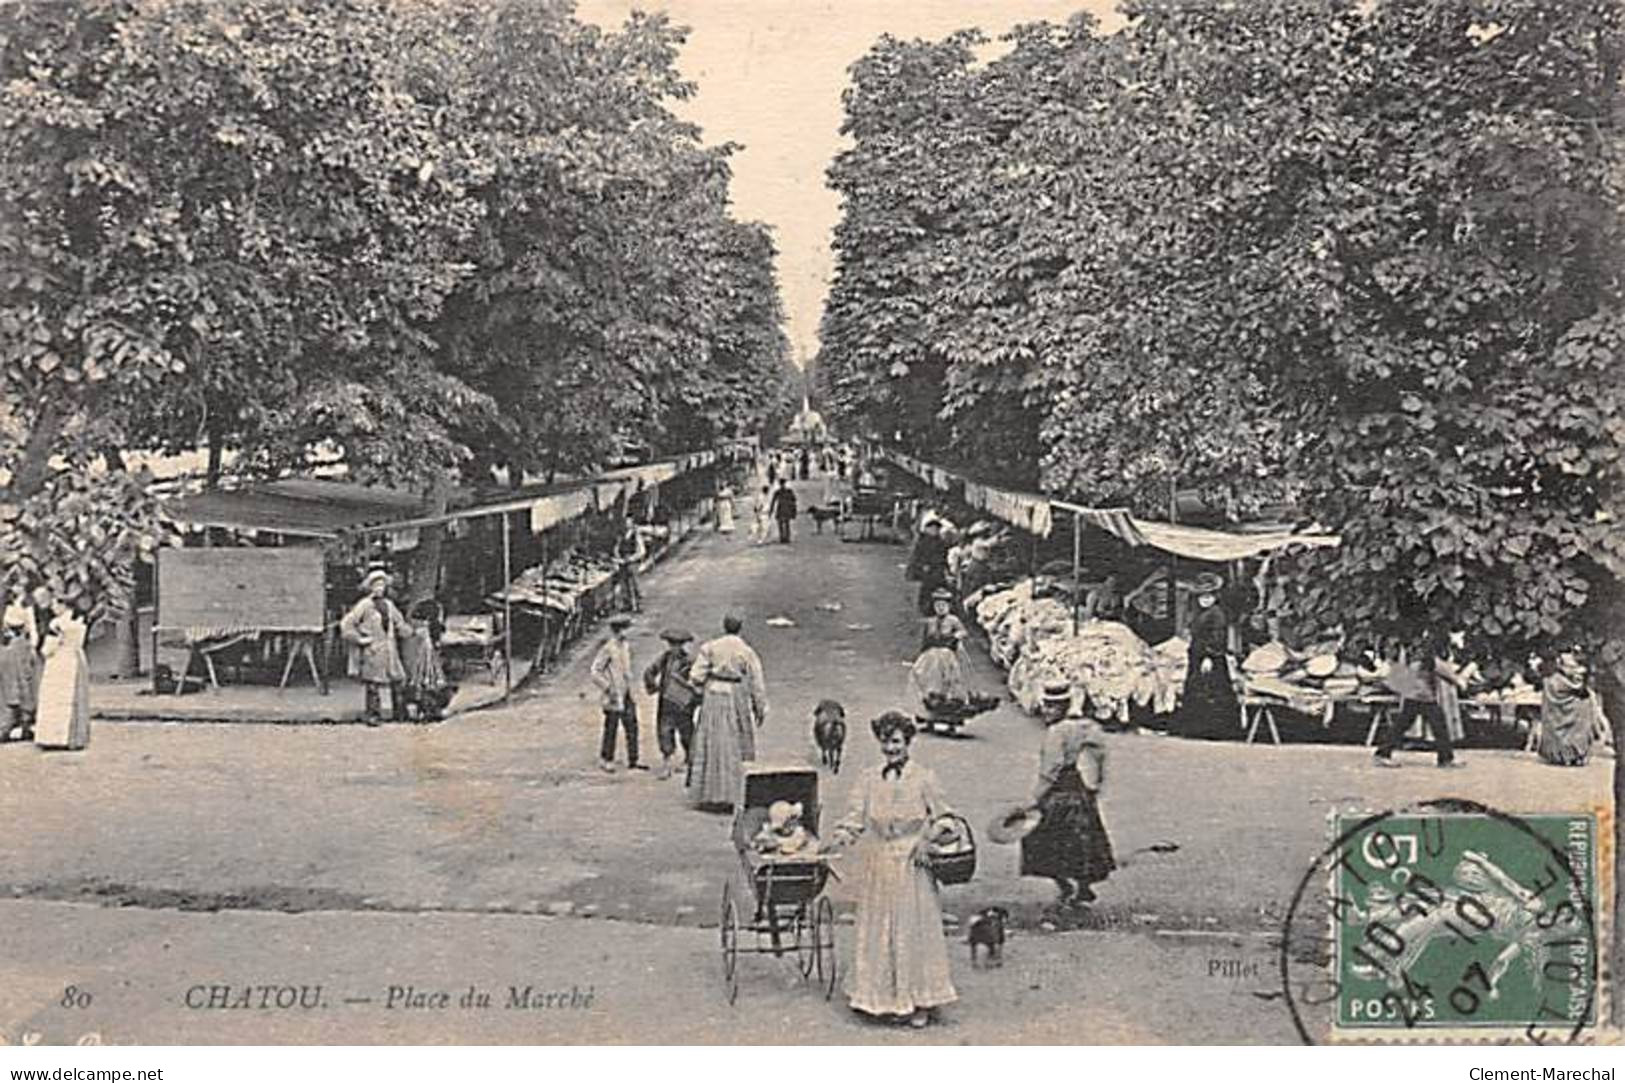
<point x="272" y="590"/>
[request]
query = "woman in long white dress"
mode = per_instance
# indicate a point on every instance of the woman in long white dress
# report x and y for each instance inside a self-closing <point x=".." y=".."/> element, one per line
<point x="759" y="528"/>
<point x="63" y="721"/>
<point x="901" y="961"/>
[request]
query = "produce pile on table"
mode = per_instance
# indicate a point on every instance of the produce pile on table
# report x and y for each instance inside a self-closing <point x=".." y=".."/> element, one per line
<point x="561" y="584"/>
<point x="1031" y="635"/>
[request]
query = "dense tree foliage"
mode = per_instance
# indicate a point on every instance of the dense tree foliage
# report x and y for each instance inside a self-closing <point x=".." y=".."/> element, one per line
<point x="421" y="237"/>
<point x="1363" y="255"/>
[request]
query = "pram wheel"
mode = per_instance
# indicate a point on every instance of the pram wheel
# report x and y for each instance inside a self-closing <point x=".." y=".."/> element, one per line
<point x="823" y="938"/>
<point x="806" y="942"/>
<point x="729" y="931"/>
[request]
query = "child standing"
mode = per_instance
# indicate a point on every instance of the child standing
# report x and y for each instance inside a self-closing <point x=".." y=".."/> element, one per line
<point x="19" y="678"/>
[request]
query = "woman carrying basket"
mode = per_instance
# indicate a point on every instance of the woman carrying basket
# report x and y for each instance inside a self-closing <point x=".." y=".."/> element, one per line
<point x="901" y="961"/>
<point x="1070" y="845"/>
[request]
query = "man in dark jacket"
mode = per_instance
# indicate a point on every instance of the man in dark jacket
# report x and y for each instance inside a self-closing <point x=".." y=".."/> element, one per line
<point x="928" y="563"/>
<point x="783" y="507"/>
<point x="676" y="700"/>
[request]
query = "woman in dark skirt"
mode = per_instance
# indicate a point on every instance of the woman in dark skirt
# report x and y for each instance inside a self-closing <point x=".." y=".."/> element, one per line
<point x="1208" y="708"/>
<point x="1070" y="845"/>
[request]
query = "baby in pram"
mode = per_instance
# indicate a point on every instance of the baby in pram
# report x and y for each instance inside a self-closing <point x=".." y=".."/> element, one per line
<point x="783" y="834"/>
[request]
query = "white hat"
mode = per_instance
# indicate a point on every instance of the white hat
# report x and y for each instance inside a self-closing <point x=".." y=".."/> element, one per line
<point x="372" y="577"/>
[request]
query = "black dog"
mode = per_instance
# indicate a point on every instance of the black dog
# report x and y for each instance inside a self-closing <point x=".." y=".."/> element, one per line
<point x="829" y="731"/>
<point x="987" y="930"/>
<point x="429" y="704"/>
<point x="820" y="516"/>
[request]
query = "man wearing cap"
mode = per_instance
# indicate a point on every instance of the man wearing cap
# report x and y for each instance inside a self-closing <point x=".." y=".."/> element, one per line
<point x="612" y="673"/>
<point x="675" y="699"/>
<point x="372" y="628"/>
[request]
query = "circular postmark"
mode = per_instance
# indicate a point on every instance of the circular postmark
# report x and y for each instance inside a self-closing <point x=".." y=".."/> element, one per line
<point x="1446" y="920"/>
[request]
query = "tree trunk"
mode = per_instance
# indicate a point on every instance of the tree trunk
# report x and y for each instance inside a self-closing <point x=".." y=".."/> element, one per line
<point x="425" y="565"/>
<point x="1611" y="691"/>
<point x="129" y="640"/>
<point x="211" y="477"/>
<point x="34" y="464"/>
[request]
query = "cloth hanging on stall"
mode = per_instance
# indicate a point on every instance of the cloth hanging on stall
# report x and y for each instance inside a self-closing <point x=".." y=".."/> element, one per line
<point x="1195" y="543"/>
<point x="550" y="511"/>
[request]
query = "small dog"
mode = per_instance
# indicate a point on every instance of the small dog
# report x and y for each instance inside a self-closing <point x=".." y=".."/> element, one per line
<point x="429" y="704"/>
<point x="987" y="930"/>
<point x="820" y="516"/>
<point x="829" y="731"/>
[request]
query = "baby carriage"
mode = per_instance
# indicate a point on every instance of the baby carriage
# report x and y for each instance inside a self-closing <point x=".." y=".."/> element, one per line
<point x="782" y="894"/>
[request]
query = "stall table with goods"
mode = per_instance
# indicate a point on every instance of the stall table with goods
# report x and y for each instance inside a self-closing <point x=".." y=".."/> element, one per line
<point x="1321" y="687"/>
<point x="1030" y="629"/>
<point x="474" y="640"/>
<point x="564" y="596"/>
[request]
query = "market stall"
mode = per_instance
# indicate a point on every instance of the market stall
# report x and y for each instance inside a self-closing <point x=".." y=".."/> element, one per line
<point x="220" y="603"/>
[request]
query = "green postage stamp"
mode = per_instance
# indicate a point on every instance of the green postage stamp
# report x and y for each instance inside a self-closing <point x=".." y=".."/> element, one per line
<point x="1462" y="920"/>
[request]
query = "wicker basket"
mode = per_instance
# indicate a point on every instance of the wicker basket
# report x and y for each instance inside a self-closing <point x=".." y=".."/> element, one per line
<point x="958" y="865"/>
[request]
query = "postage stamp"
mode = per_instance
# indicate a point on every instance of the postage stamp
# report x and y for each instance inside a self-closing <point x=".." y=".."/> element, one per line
<point x="1451" y="919"/>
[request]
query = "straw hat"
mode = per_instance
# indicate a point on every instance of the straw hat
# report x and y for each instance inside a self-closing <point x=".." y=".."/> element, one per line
<point x="374" y="576"/>
<point x="1014" y="824"/>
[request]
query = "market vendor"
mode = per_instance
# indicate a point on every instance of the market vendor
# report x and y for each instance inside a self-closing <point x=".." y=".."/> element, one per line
<point x="1105" y="601"/>
<point x="1570" y="715"/>
<point x="373" y="629"/>
<point x="1208" y="707"/>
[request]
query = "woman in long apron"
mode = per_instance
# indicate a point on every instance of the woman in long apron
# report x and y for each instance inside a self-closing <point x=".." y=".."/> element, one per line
<point x="63" y="720"/>
<point x="733" y="704"/>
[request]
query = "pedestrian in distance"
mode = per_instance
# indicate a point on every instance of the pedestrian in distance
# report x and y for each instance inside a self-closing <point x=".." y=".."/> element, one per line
<point x="725" y="510"/>
<point x="734" y="705"/>
<point x="759" y="530"/>
<point x="629" y="555"/>
<point x="676" y="700"/>
<point x="784" y="510"/>
<point x="373" y="628"/>
<point x="611" y="671"/>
